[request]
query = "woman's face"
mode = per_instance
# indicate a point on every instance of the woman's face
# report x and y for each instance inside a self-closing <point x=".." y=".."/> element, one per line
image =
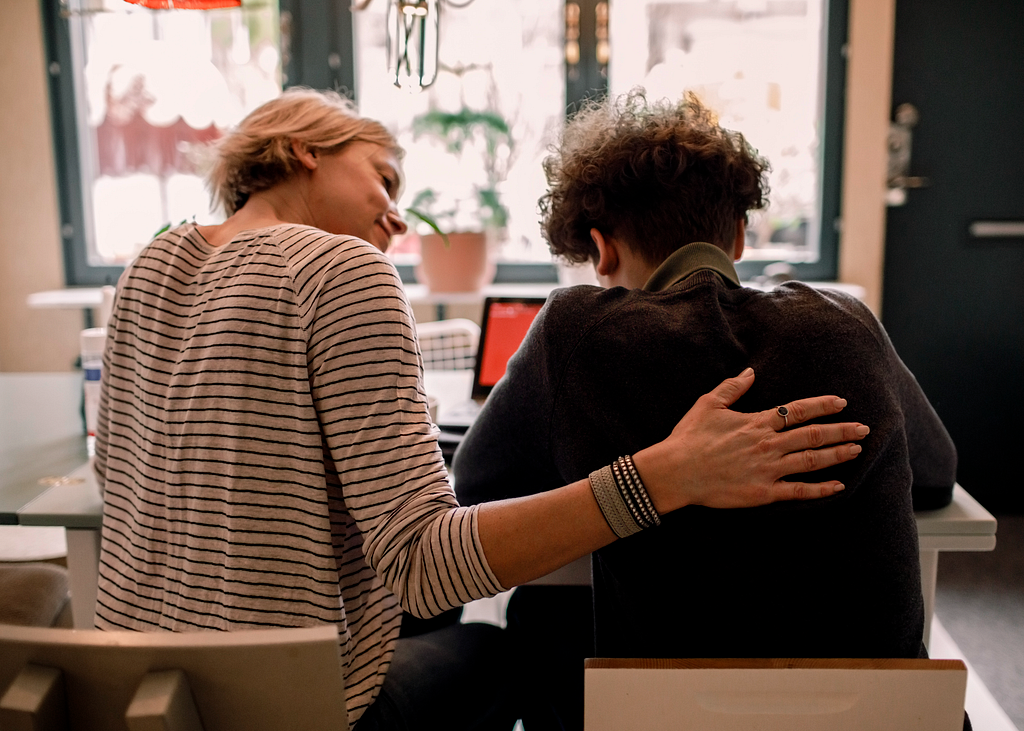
<point x="353" y="193"/>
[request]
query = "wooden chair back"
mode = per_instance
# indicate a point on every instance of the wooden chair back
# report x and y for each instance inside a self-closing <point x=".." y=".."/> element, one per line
<point x="774" y="695"/>
<point x="252" y="680"/>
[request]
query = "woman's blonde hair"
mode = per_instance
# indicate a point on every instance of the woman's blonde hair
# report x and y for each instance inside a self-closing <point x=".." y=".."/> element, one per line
<point x="258" y="153"/>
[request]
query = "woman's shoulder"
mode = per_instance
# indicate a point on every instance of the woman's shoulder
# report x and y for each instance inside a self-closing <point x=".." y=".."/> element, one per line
<point x="318" y="260"/>
<point x="306" y="246"/>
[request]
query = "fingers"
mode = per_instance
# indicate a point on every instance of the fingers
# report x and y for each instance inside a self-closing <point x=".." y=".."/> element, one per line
<point x="804" y="410"/>
<point x="805" y="490"/>
<point x="810" y="460"/>
<point x="729" y="391"/>
<point x="814" y="436"/>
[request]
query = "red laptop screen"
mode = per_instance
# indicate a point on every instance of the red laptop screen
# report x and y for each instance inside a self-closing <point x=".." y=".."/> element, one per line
<point x="505" y="327"/>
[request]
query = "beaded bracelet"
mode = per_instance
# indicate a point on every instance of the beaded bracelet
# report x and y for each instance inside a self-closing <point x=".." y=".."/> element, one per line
<point x="623" y="499"/>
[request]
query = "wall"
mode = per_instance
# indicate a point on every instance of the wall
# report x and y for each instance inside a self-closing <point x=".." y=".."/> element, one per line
<point x="865" y="146"/>
<point x="30" y="245"/>
<point x="30" y="248"/>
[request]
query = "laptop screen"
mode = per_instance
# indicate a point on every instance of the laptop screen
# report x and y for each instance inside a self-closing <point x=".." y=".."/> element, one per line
<point x="502" y="328"/>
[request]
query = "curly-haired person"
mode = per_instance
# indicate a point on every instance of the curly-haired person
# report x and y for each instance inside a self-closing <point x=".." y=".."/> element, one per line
<point x="656" y="196"/>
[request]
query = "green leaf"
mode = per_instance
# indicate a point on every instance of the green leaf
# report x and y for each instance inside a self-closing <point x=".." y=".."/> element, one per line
<point x="490" y="200"/>
<point x="167" y="227"/>
<point x="430" y="222"/>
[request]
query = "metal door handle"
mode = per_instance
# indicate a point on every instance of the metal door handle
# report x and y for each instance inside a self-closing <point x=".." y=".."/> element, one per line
<point x="997" y="229"/>
<point x="899" y="142"/>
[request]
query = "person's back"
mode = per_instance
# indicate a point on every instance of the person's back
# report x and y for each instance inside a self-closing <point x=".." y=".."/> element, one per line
<point x="640" y="192"/>
<point x="605" y="370"/>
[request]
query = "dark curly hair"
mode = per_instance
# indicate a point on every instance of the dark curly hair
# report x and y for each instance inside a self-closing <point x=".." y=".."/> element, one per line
<point x="657" y="175"/>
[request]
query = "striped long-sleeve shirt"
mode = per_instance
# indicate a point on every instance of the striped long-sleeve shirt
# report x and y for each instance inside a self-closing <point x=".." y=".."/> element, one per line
<point x="266" y="451"/>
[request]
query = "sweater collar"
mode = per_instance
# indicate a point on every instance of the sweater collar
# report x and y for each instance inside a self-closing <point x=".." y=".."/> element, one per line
<point x="689" y="259"/>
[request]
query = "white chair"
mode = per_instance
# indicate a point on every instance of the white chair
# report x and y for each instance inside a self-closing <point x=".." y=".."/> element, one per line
<point x="774" y="694"/>
<point x="252" y="680"/>
<point x="448" y="345"/>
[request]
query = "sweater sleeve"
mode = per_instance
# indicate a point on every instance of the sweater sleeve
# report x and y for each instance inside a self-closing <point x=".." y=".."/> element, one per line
<point x="933" y="458"/>
<point x="507" y="453"/>
<point x="366" y="384"/>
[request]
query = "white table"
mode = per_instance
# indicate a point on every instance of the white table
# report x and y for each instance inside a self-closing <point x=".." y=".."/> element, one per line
<point x="963" y="525"/>
<point x="76" y="504"/>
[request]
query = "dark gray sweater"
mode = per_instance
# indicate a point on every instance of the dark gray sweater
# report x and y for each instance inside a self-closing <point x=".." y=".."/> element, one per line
<point x="608" y="372"/>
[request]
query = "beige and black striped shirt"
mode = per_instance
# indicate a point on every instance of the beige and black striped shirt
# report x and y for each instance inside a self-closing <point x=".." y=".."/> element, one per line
<point x="266" y="451"/>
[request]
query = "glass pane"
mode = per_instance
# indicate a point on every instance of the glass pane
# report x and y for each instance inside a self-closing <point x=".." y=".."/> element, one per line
<point x="758" y="64"/>
<point x="152" y="88"/>
<point x="502" y="57"/>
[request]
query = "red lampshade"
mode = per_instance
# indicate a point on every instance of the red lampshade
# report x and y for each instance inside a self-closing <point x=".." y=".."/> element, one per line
<point x="187" y="4"/>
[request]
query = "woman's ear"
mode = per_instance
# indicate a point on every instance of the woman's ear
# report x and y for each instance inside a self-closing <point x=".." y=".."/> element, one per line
<point x="607" y="254"/>
<point x="304" y="155"/>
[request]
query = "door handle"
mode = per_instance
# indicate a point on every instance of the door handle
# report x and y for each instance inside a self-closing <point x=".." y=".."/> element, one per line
<point x="997" y="229"/>
<point x="900" y="141"/>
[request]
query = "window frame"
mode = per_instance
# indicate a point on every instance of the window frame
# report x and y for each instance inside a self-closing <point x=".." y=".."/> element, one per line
<point x="830" y="154"/>
<point x="59" y="65"/>
<point x="318" y="52"/>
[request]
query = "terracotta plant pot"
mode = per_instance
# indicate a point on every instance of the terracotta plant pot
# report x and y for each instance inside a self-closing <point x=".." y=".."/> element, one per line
<point x="465" y="266"/>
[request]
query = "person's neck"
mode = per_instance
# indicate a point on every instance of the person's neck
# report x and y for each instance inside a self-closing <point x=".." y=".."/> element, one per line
<point x="633" y="271"/>
<point x="264" y="209"/>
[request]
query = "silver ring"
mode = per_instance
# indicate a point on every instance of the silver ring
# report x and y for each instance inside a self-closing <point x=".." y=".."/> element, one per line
<point x="784" y="413"/>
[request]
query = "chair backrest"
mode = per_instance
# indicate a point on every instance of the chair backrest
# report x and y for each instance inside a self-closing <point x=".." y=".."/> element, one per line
<point x="251" y="680"/>
<point x="790" y="694"/>
<point x="448" y="345"/>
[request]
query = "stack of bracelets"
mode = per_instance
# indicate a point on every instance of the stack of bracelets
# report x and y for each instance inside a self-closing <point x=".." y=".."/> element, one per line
<point x="623" y="498"/>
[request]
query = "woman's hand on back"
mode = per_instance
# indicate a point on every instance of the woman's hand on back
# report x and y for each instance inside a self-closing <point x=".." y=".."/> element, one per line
<point x="726" y="459"/>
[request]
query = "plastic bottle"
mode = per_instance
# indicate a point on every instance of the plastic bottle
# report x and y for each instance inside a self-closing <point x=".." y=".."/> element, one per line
<point x="93" y="341"/>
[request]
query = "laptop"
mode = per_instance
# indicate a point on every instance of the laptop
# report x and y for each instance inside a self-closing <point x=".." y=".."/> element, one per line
<point x="505" y="323"/>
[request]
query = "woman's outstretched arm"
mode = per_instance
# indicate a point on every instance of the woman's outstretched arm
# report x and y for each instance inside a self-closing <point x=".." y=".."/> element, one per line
<point x="714" y="457"/>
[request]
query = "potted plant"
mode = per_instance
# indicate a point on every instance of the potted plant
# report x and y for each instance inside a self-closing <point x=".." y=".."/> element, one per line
<point x="462" y="219"/>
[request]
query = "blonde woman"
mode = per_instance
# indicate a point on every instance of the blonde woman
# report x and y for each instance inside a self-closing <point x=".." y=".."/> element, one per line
<point x="265" y="447"/>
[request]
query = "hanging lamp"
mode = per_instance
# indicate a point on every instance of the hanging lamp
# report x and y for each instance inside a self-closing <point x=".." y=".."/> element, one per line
<point x="412" y="42"/>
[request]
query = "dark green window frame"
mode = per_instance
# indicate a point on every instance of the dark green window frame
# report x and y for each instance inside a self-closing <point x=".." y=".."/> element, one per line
<point x="318" y="52"/>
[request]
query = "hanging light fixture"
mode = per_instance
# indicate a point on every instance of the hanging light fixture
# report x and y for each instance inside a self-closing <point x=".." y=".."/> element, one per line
<point x="412" y="42"/>
<point x="187" y="4"/>
<point x="413" y="39"/>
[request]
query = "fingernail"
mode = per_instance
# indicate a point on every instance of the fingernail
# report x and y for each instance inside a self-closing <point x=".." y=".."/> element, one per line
<point x="840" y="403"/>
<point x="839" y="487"/>
<point x="855" y="449"/>
<point x="862" y="430"/>
<point x="747" y="372"/>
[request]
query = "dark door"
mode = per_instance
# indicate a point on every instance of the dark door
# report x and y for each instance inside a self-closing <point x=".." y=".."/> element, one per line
<point x="954" y="303"/>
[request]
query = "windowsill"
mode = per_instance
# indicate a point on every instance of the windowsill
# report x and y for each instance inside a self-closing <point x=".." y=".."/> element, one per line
<point x="419" y="294"/>
<point x="91" y="297"/>
<point x="71" y="298"/>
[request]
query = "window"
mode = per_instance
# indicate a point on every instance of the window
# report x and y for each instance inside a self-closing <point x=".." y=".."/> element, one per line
<point x="761" y="65"/>
<point x="149" y="90"/>
<point x="135" y="93"/>
<point x="501" y="59"/>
